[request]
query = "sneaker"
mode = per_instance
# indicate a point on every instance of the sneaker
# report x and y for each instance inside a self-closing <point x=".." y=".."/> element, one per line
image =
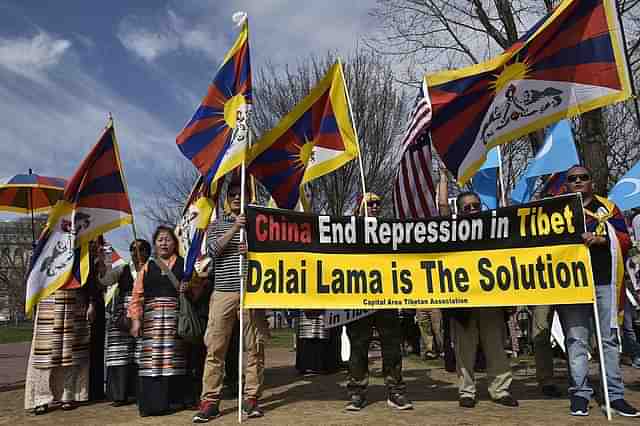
<point x="357" y="403"/>
<point x="251" y="408"/>
<point x="208" y="411"/>
<point x="399" y="402"/>
<point x="551" y="391"/>
<point x="579" y="406"/>
<point x="467" y="402"/>
<point x="622" y="407"/>
<point x="507" y="401"/>
<point x="636" y="363"/>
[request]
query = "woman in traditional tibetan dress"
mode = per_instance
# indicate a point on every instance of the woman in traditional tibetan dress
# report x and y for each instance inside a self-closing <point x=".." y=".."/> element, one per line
<point x="163" y="384"/>
<point x="122" y="369"/>
<point x="317" y="347"/>
<point x="58" y="369"/>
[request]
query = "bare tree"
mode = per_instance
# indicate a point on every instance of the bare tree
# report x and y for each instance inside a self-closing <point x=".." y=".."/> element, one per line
<point x="171" y="191"/>
<point x="436" y="34"/>
<point x="379" y="109"/>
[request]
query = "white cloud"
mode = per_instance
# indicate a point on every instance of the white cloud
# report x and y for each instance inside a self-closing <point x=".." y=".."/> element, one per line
<point x="152" y="38"/>
<point x="29" y="56"/>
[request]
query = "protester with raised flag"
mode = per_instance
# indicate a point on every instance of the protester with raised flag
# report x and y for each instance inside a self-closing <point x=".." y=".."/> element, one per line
<point x="608" y="241"/>
<point x="226" y="250"/>
<point x="471" y="327"/>
<point x="95" y="201"/>
<point x="122" y="370"/>
<point x="387" y="323"/>
<point x="163" y="384"/>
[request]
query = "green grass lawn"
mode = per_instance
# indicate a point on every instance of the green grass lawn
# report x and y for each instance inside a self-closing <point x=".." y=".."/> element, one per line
<point x="13" y="334"/>
<point x="281" y="338"/>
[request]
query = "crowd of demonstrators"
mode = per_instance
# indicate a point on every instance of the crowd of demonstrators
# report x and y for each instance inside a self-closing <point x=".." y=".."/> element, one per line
<point x="147" y="362"/>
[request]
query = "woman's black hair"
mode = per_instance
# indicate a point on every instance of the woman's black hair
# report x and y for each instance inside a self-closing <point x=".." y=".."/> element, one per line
<point x="142" y="245"/>
<point x="165" y="228"/>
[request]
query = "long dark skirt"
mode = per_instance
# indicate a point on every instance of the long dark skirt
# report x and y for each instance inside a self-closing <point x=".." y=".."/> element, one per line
<point x="96" y="354"/>
<point x="163" y="394"/>
<point x="319" y="355"/>
<point x="122" y="382"/>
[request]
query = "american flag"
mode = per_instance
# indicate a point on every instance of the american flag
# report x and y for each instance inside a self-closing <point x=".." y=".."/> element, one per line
<point x="413" y="189"/>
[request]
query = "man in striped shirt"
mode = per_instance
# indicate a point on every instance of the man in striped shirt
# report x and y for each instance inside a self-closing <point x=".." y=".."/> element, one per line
<point x="228" y="253"/>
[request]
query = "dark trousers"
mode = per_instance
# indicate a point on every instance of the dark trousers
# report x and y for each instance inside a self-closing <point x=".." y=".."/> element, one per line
<point x="388" y="326"/>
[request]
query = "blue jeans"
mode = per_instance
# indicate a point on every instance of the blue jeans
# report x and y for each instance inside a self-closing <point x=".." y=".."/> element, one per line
<point x="577" y="324"/>
<point x="630" y="343"/>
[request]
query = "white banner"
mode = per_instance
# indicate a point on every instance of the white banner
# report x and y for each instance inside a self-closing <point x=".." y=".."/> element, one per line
<point x="338" y="318"/>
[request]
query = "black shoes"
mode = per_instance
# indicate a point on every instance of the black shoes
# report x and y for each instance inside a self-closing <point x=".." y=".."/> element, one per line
<point x="251" y="408"/>
<point x="399" y="402"/>
<point x="208" y="411"/>
<point x="467" y="402"/>
<point x="507" y="401"/>
<point x="357" y="403"/>
<point x="622" y="408"/>
<point x="579" y="406"/>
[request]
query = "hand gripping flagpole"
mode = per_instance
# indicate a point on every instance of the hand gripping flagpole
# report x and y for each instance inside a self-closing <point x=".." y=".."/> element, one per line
<point x="355" y="130"/>
<point x="603" y="369"/>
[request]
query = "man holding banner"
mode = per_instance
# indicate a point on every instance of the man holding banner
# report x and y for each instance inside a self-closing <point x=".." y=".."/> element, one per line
<point x="225" y="249"/>
<point x="484" y="326"/>
<point x="608" y="241"/>
<point x="387" y="323"/>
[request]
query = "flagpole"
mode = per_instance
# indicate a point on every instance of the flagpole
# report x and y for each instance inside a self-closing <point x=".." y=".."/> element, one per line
<point x="126" y="189"/>
<point x="355" y="129"/>
<point x="242" y="257"/>
<point x="503" y="198"/>
<point x="632" y="83"/>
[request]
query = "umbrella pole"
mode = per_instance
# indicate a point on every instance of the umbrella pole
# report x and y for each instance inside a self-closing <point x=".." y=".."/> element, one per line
<point x="33" y="226"/>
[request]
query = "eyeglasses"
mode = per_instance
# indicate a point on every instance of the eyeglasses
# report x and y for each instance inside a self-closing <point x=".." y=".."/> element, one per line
<point x="584" y="177"/>
<point x="471" y="207"/>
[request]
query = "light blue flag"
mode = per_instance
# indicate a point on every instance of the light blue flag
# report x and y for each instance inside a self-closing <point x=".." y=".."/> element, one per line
<point x="556" y="155"/>
<point x="626" y="193"/>
<point x="484" y="182"/>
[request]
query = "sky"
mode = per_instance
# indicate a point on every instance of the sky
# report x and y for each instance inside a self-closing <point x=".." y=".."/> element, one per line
<point x="64" y="66"/>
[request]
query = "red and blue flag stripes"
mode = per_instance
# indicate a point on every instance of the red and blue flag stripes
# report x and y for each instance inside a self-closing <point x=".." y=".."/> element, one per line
<point x="208" y="135"/>
<point x="568" y="63"/>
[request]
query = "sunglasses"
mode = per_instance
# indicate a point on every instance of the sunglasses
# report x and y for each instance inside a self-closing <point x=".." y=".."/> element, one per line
<point x="581" y="177"/>
<point x="471" y="207"/>
<point x="234" y="194"/>
<point x="373" y="204"/>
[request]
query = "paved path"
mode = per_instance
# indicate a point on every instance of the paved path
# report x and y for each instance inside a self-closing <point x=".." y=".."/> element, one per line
<point x="13" y="365"/>
<point x="319" y="400"/>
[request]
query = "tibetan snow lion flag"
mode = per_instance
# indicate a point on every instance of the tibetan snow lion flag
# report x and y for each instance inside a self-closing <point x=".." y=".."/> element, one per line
<point x="215" y="139"/>
<point x="569" y="63"/>
<point x="95" y="201"/>
<point x="314" y="139"/>
<point x="191" y="231"/>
